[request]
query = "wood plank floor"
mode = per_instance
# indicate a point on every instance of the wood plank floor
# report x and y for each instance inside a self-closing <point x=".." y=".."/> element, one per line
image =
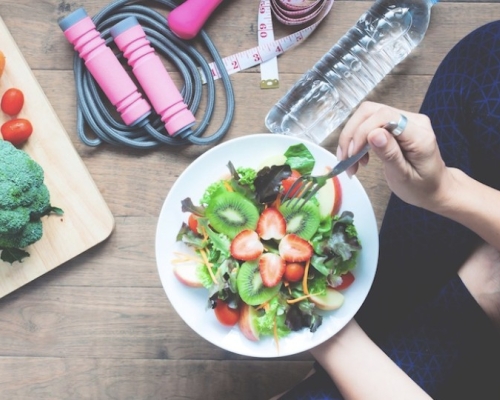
<point x="100" y="326"/>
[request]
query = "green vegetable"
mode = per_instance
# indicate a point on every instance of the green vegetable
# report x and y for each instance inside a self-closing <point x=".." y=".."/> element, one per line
<point x="210" y="191"/>
<point x="247" y="176"/>
<point x="299" y="158"/>
<point x="24" y="200"/>
<point x="336" y="251"/>
<point x="273" y="315"/>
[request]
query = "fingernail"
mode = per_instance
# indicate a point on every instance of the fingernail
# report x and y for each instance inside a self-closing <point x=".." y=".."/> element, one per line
<point x="339" y="153"/>
<point x="379" y="140"/>
<point x="350" y="149"/>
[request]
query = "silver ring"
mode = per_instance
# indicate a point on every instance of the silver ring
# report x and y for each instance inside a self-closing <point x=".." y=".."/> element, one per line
<point x="400" y="126"/>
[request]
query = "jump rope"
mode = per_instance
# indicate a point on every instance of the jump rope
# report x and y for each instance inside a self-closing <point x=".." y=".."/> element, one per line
<point x="142" y="34"/>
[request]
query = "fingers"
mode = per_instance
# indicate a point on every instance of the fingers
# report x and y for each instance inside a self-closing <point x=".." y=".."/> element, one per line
<point x="364" y="111"/>
<point x="386" y="147"/>
<point x="370" y="117"/>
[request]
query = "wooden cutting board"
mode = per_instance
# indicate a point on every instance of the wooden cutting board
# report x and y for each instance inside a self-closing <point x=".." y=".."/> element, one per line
<point x="87" y="219"/>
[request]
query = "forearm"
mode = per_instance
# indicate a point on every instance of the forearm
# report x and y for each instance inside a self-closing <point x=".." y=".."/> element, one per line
<point x="361" y="370"/>
<point x="471" y="204"/>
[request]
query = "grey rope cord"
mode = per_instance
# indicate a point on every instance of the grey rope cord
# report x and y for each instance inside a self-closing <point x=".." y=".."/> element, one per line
<point x="93" y="107"/>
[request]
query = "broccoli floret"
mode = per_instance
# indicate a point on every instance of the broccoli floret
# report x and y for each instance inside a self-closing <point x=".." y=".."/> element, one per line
<point x="29" y="234"/>
<point x="24" y="200"/>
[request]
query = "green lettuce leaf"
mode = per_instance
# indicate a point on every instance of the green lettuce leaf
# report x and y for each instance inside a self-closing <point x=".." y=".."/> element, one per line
<point x="299" y="158"/>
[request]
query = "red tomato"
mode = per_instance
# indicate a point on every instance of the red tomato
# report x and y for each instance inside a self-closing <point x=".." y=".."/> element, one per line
<point x="16" y="131"/>
<point x="294" y="272"/>
<point x="193" y="223"/>
<point x="226" y="315"/>
<point x="288" y="182"/>
<point x="12" y="101"/>
<point x="347" y="280"/>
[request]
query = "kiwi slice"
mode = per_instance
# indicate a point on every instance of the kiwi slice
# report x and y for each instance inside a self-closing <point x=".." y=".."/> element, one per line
<point x="250" y="287"/>
<point x="304" y="222"/>
<point x="231" y="212"/>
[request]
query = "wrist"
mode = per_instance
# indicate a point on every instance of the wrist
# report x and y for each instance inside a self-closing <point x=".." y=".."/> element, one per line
<point x="342" y="345"/>
<point x="444" y="201"/>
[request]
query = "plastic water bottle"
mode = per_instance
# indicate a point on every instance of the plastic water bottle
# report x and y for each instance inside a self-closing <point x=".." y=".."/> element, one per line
<point x="326" y="94"/>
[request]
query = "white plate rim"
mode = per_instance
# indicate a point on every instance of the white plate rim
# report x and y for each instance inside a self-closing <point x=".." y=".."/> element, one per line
<point x="190" y="303"/>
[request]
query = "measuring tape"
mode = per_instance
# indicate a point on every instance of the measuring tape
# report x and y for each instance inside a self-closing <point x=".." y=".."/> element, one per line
<point x="288" y="12"/>
<point x="268" y="69"/>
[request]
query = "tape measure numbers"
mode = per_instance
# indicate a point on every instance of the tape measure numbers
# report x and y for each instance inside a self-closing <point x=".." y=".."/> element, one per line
<point x="268" y="69"/>
<point x="291" y="12"/>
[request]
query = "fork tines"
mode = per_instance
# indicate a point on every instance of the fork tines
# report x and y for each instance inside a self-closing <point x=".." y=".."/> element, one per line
<point x="301" y="191"/>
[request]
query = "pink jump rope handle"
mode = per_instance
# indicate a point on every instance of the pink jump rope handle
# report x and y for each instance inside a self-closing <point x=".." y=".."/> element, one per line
<point x="187" y="19"/>
<point x="103" y="65"/>
<point x="152" y="76"/>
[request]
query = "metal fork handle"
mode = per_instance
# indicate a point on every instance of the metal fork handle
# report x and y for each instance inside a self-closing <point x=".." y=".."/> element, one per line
<point x="348" y="162"/>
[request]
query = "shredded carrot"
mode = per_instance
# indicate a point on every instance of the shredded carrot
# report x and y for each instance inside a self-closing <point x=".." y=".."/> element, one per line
<point x="264" y="306"/>
<point x="304" y="278"/>
<point x="228" y="186"/>
<point x="208" y="265"/>
<point x="275" y="332"/>
<point x="204" y="233"/>
<point x="296" y="300"/>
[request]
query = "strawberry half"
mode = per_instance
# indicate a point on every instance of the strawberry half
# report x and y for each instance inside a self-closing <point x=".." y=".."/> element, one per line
<point x="293" y="248"/>
<point x="271" y="224"/>
<point x="271" y="268"/>
<point x="246" y="246"/>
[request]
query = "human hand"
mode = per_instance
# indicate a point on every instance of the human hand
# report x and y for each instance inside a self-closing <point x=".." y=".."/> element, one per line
<point x="413" y="166"/>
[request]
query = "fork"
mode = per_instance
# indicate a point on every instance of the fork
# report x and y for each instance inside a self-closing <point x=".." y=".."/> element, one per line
<point x="307" y="185"/>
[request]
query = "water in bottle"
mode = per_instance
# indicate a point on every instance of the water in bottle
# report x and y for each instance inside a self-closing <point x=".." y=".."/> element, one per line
<point x="326" y="94"/>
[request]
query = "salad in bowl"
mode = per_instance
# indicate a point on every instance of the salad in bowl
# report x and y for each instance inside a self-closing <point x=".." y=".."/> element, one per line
<point x="261" y="271"/>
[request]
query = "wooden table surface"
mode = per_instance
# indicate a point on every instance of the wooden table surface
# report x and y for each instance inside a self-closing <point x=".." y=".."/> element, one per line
<point x="100" y="326"/>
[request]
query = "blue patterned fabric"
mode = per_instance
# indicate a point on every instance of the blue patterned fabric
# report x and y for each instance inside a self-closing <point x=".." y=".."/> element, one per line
<point x="418" y="310"/>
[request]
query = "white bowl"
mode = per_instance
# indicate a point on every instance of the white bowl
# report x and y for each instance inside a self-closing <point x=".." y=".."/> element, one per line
<point x="190" y="303"/>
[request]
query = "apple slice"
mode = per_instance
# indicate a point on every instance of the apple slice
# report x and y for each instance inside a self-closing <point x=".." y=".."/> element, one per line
<point x="188" y="274"/>
<point x="247" y="322"/>
<point x="278" y="159"/>
<point x="331" y="300"/>
<point x="330" y="196"/>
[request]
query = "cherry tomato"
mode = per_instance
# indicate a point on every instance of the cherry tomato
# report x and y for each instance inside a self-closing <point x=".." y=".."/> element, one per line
<point x="347" y="280"/>
<point x="193" y="223"/>
<point x="16" y="131"/>
<point x="294" y="272"/>
<point x="288" y="182"/>
<point x="12" y="101"/>
<point x="226" y="315"/>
